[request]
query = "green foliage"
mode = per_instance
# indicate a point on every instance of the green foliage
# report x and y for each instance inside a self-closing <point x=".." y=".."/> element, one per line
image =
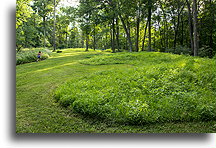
<point x="179" y="50"/>
<point x="27" y="56"/>
<point x="156" y="87"/>
<point x="206" y="51"/>
<point x="23" y="11"/>
<point x="94" y="23"/>
<point x="37" y="112"/>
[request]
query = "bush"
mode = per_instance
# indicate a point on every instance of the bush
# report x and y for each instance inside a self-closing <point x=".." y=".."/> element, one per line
<point x="206" y="51"/>
<point x="28" y="56"/>
<point x="179" y="50"/>
<point x="160" y="88"/>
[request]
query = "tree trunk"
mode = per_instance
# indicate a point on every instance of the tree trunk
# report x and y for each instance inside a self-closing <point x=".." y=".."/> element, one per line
<point x="195" y="28"/>
<point x="117" y="34"/>
<point x="143" y="42"/>
<point x="87" y="41"/>
<point x="176" y="33"/>
<point x="137" y="37"/>
<point x="106" y="40"/>
<point x="94" y="38"/>
<point x="182" y="31"/>
<point x="54" y="27"/>
<point x="211" y="36"/>
<point x="127" y="33"/>
<point x="113" y="35"/>
<point x="149" y="24"/>
<point x="44" y="33"/>
<point x="161" y="41"/>
<point x="137" y="27"/>
<point x="177" y="27"/>
<point x="165" y="34"/>
<point x="190" y="24"/>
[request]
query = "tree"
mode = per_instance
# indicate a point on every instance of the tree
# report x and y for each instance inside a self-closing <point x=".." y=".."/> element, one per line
<point x="196" y="46"/>
<point x="54" y="26"/>
<point x="149" y="23"/>
<point x="44" y="8"/>
<point x="190" y="25"/>
<point x="208" y="27"/>
<point x="23" y="11"/>
<point x="85" y="13"/>
<point x="166" y="25"/>
<point x="126" y="13"/>
<point x="180" y="7"/>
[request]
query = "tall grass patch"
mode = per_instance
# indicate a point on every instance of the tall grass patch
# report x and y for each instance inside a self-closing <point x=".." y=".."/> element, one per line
<point x="159" y="87"/>
<point x="28" y="56"/>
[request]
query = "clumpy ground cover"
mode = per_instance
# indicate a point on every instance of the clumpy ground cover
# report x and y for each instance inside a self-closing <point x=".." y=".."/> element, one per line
<point x="108" y="93"/>
<point x="30" y="55"/>
<point x="156" y="87"/>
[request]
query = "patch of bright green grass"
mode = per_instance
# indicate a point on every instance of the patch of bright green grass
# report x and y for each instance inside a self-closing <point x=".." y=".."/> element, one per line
<point x="38" y="112"/>
<point x="159" y="88"/>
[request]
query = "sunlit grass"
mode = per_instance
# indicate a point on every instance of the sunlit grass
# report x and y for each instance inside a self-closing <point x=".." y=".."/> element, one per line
<point x="160" y="87"/>
<point x="38" y="112"/>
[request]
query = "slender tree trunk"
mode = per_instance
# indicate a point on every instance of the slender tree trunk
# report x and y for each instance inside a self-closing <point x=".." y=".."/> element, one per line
<point x="54" y="27"/>
<point x="87" y="41"/>
<point x="94" y="38"/>
<point x="165" y="32"/>
<point x="113" y="35"/>
<point x="44" y="33"/>
<point x="149" y="23"/>
<point x="182" y="31"/>
<point x="127" y="33"/>
<point x="177" y="26"/>
<point x="143" y="42"/>
<point x="137" y="27"/>
<point x="117" y="33"/>
<point x="176" y="33"/>
<point x="161" y="41"/>
<point x="190" y="24"/>
<point x="83" y="39"/>
<point x="196" y="46"/>
<point x="211" y="38"/>
<point x="106" y="41"/>
<point x="137" y="37"/>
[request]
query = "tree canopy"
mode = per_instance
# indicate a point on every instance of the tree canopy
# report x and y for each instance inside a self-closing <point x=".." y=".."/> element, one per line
<point x="177" y="26"/>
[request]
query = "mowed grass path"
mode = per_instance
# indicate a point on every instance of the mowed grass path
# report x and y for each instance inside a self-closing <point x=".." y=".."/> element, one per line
<point x="37" y="111"/>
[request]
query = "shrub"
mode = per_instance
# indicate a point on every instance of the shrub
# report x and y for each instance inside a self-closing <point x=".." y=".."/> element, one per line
<point x="206" y="51"/>
<point x="179" y="50"/>
<point x="28" y="56"/>
<point x="160" y="88"/>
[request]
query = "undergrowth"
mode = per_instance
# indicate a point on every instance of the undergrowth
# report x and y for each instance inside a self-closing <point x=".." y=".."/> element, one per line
<point x="159" y="87"/>
<point x="27" y="56"/>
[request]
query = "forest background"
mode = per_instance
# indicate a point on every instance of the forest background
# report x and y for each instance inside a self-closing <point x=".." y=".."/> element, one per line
<point x="177" y="26"/>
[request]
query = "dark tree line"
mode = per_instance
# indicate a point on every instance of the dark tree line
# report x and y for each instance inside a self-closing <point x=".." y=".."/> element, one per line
<point x="178" y="26"/>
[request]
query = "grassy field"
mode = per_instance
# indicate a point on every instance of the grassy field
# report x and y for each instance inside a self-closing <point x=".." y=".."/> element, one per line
<point x="38" y="112"/>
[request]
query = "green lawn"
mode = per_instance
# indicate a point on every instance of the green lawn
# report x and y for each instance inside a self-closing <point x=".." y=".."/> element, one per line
<point x="38" y="112"/>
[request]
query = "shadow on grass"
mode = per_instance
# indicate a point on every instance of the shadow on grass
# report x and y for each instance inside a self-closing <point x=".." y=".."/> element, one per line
<point x="54" y="62"/>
